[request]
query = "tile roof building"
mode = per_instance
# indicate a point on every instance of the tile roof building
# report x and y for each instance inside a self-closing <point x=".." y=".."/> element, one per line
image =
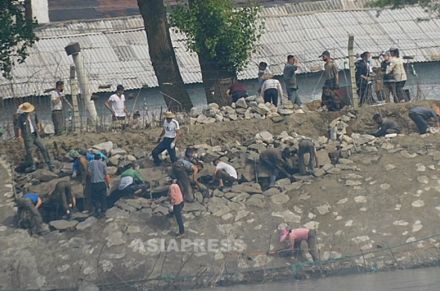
<point x="115" y="50"/>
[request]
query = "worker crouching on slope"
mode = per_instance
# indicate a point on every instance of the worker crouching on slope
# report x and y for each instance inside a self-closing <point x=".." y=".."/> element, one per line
<point x="294" y="238"/>
<point x="276" y="161"/>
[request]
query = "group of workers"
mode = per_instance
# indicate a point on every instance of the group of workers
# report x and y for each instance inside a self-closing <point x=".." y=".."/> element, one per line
<point x="90" y="167"/>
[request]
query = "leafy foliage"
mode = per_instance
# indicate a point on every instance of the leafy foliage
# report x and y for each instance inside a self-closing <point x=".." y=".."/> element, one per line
<point x="16" y="35"/>
<point x="433" y="5"/>
<point x="218" y="32"/>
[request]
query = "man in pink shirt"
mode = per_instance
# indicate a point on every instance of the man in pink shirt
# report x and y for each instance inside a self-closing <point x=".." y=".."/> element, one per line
<point x="176" y="200"/>
<point x="294" y="237"/>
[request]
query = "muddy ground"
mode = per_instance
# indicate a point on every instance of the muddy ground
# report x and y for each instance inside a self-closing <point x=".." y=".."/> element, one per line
<point x="378" y="210"/>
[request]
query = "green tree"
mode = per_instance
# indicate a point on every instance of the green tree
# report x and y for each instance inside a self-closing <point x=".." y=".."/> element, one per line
<point x="16" y="35"/>
<point x="162" y="54"/>
<point x="223" y="37"/>
<point x="434" y="5"/>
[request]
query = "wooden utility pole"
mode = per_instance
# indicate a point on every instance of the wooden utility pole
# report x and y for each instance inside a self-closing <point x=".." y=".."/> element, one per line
<point x="74" y="92"/>
<point x="351" y="60"/>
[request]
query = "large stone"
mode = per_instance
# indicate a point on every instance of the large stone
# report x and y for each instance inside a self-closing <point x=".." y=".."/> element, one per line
<point x="250" y="188"/>
<point x="193" y="207"/>
<point x="196" y="111"/>
<point x="63" y="225"/>
<point x="105" y="146"/>
<point x="271" y="191"/>
<point x="323" y="209"/>
<point x="279" y="199"/>
<point x="264" y="136"/>
<point x="284" y="111"/>
<point x="288" y="216"/>
<point x="241" y="103"/>
<point x="256" y="200"/>
<point x="44" y="175"/>
<point x="118" y="152"/>
<point x="89" y="222"/>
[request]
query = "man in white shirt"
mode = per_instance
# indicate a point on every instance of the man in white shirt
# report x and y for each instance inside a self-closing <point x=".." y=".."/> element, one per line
<point x="56" y="101"/>
<point x="224" y="173"/>
<point x="116" y="105"/>
<point x="271" y="90"/>
<point x="170" y="134"/>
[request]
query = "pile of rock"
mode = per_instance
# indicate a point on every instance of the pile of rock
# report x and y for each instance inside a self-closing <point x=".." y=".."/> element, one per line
<point x="252" y="107"/>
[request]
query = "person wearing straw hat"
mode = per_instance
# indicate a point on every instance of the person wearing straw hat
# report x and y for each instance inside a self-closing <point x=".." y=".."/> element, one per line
<point x="170" y="134"/>
<point x="28" y="133"/>
<point x="294" y="238"/>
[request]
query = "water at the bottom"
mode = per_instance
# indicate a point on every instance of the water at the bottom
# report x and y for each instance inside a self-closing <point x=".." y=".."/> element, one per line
<point x="427" y="279"/>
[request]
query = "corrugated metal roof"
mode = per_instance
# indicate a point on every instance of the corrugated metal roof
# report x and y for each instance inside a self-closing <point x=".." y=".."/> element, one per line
<point x="116" y="51"/>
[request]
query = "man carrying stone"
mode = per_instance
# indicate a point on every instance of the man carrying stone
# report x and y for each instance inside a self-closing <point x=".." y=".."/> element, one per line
<point x="224" y="173"/>
<point x="181" y="170"/>
<point x="116" y="105"/>
<point x="99" y="183"/>
<point x="276" y="162"/>
<point x="386" y="126"/>
<point x="306" y="146"/>
<point x="57" y="98"/>
<point x="28" y="132"/>
<point x="421" y="116"/>
<point x="289" y="76"/>
<point x="170" y="134"/>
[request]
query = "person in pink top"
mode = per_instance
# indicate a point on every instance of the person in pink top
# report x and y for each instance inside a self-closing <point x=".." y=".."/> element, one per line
<point x="294" y="237"/>
<point x="176" y="200"/>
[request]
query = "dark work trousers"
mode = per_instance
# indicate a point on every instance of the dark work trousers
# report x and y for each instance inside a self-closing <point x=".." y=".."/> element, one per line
<point x="399" y="91"/>
<point x="29" y="141"/>
<point x="165" y="144"/>
<point x="306" y="147"/>
<point x="237" y="95"/>
<point x="330" y="83"/>
<point x="223" y="175"/>
<point x="177" y="210"/>
<point x="180" y="173"/>
<point x="421" y="123"/>
<point x="61" y="197"/>
<point x="99" y="196"/>
<point x="271" y="96"/>
<point x="273" y="168"/>
<point x="311" y="246"/>
<point x="292" y="94"/>
<point x="58" y="121"/>
<point x="390" y="89"/>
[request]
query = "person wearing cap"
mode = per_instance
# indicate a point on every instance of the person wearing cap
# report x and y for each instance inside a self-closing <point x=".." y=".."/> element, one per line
<point x="99" y="183"/>
<point x="176" y="200"/>
<point x="331" y="76"/>
<point x="386" y="126"/>
<point x="170" y="134"/>
<point x="56" y="100"/>
<point x="116" y="105"/>
<point x="361" y="76"/>
<point x="306" y="146"/>
<point x="224" y="173"/>
<point x="422" y="115"/>
<point x="289" y="76"/>
<point x="181" y="170"/>
<point x="294" y="238"/>
<point x="271" y="90"/>
<point x="388" y="79"/>
<point x="276" y="161"/>
<point x="397" y="70"/>
<point x="28" y="132"/>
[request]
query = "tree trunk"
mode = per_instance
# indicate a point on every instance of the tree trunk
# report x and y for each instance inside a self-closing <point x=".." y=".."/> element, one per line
<point x="162" y="55"/>
<point x="28" y="10"/>
<point x="215" y="81"/>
